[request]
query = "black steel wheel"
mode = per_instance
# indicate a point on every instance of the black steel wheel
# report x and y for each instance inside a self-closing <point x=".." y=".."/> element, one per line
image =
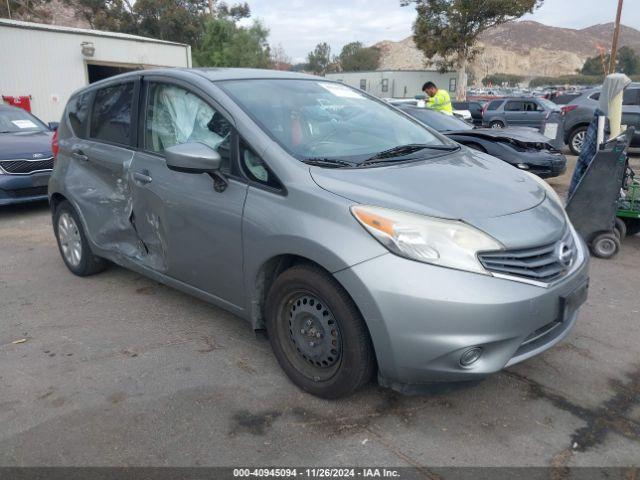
<point x="317" y="333"/>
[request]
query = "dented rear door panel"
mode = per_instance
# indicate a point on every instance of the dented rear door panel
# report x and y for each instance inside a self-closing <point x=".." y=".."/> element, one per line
<point x="99" y="185"/>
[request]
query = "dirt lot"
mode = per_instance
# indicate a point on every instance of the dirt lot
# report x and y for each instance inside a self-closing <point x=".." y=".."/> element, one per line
<point x="119" y="370"/>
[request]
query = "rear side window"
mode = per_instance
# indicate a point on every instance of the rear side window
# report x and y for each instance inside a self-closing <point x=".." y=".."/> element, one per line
<point x="111" y="114"/>
<point x="513" y="107"/>
<point x="78" y="114"/>
<point x="494" y="105"/>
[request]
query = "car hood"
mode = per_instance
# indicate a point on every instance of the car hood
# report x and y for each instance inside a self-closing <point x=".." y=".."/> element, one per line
<point x="464" y="185"/>
<point x="523" y="134"/>
<point x="25" y="145"/>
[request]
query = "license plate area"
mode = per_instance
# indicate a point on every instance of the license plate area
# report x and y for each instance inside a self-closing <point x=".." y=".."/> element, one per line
<point x="571" y="302"/>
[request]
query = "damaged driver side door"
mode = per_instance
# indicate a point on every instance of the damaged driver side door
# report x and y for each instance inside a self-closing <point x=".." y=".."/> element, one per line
<point x="189" y="230"/>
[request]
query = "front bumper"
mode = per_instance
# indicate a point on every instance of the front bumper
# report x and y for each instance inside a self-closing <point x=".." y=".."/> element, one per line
<point x="23" y="188"/>
<point x="422" y="318"/>
<point x="545" y="164"/>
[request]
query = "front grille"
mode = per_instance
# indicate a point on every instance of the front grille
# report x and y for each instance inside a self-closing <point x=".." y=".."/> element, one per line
<point x="28" y="192"/>
<point x="26" y="166"/>
<point x="542" y="264"/>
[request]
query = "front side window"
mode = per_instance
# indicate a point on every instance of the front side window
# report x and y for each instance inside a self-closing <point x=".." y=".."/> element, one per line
<point x="78" y="114"/>
<point x="176" y="116"/>
<point x="494" y="105"/>
<point x="16" y="120"/>
<point x="255" y="168"/>
<point x="111" y="114"/>
<point x="317" y="119"/>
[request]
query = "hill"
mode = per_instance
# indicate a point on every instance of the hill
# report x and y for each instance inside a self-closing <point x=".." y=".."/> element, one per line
<point x="522" y="48"/>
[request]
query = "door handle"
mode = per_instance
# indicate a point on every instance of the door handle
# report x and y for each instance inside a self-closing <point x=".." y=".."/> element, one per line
<point x="79" y="155"/>
<point x="142" y="177"/>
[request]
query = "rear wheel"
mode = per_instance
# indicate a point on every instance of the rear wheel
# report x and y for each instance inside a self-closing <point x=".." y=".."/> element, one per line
<point x="72" y="242"/>
<point x="576" y="139"/>
<point x="605" y="245"/>
<point x="317" y="333"/>
<point x="497" y="124"/>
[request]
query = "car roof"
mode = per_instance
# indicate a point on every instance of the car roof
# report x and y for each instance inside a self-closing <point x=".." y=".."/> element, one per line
<point x="214" y="74"/>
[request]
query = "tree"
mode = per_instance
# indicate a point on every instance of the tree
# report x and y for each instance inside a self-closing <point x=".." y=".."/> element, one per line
<point x="319" y="60"/>
<point x="225" y="44"/>
<point x="174" y="20"/>
<point x="355" y="57"/>
<point x="595" y="65"/>
<point x="279" y="59"/>
<point x="628" y="61"/>
<point x="449" y="29"/>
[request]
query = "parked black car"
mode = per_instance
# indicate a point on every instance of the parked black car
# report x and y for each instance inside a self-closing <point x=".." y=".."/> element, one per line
<point x="523" y="148"/>
<point x="25" y="156"/>
<point x="474" y="107"/>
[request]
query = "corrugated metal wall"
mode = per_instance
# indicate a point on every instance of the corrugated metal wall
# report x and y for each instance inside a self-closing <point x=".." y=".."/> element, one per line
<point x="399" y="84"/>
<point x="49" y="65"/>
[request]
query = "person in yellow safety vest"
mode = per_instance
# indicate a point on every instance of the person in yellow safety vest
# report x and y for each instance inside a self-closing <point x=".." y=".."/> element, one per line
<point x="437" y="99"/>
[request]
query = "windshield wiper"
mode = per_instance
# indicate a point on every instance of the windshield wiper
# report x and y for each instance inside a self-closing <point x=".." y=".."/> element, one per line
<point x="327" y="162"/>
<point x="403" y="150"/>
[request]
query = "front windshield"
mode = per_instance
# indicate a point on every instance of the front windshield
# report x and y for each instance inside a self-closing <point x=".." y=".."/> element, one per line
<point x="13" y="120"/>
<point x="317" y="119"/>
<point x="438" y="121"/>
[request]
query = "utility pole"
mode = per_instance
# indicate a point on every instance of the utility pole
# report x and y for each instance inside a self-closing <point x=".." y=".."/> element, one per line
<point x="614" y="43"/>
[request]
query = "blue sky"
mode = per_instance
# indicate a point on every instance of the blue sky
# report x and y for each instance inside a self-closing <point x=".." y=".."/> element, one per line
<point x="298" y="25"/>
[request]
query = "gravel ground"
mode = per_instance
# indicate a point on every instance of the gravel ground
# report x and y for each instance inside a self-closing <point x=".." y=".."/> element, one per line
<point x="119" y="370"/>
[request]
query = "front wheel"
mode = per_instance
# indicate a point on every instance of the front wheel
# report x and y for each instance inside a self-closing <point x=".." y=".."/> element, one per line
<point x="73" y="244"/>
<point x="496" y="124"/>
<point x="317" y="333"/>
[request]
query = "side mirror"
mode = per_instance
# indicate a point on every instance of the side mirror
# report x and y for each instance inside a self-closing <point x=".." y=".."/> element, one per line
<point x="53" y="126"/>
<point x="197" y="158"/>
<point x="192" y="158"/>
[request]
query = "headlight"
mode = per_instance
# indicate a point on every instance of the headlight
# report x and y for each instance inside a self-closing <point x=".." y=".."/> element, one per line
<point x="448" y="243"/>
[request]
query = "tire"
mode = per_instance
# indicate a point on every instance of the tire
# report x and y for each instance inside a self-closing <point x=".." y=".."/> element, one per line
<point x="317" y="333"/>
<point x="496" y="124"/>
<point x="633" y="226"/>
<point x="621" y="228"/>
<point x="576" y="139"/>
<point x="605" y="245"/>
<point x="72" y="242"/>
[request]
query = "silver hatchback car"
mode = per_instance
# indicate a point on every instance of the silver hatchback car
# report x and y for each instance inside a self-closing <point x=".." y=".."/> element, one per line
<point x="361" y="240"/>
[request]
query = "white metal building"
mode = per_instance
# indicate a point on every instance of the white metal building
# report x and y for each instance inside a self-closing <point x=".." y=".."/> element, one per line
<point x="48" y="62"/>
<point x="396" y="83"/>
